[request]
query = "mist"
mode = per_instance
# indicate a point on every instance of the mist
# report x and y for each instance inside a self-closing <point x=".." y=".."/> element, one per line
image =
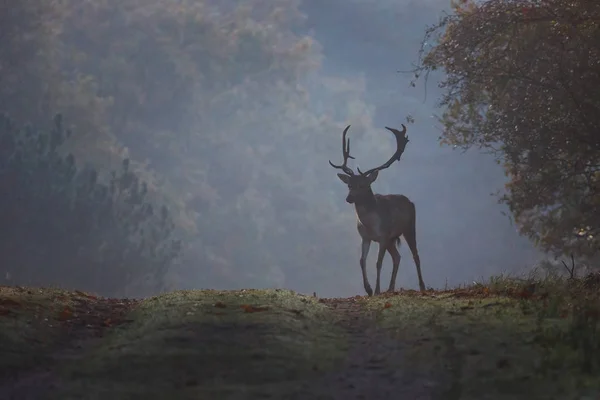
<point x="462" y="234"/>
<point x="231" y="110"/>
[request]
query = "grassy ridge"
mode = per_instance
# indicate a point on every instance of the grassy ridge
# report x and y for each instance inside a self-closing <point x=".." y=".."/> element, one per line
<point x="507" y="339"/>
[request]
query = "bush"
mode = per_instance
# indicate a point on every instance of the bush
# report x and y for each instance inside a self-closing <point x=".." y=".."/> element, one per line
<point x="574" y="343"/>
<point x="66" y="226"/>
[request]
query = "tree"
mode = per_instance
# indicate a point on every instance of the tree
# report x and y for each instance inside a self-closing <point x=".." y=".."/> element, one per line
<point x="68" y="226"/>
<point x="521" y="82"/>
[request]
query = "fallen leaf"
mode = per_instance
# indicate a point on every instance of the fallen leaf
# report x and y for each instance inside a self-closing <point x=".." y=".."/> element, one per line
<point x="387" y="305"/>
<point x="524" y="294"/>
<point x="65" y="314"/>
<point x="107" y="322"/>
<point x="83" y="294"/>
<point x="252" y="309"/>
<point x="220" y="304"/>
<point x="9" y="303"/>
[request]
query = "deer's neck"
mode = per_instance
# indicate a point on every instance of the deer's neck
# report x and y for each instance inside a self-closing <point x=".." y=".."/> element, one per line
<point x="366" y="203"/>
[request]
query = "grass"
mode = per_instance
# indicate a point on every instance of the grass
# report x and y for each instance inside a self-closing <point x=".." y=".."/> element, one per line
<point x="506" y="339"/>
<point x="32" y="323"/>
<point x="211" y="342"/>
<point x="188" y="344"/>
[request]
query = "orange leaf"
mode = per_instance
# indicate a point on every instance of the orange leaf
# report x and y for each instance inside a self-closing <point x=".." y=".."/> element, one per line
<point x="219" y="304"/>
<point x="83" y="294"/>
<point x="9" y="303"/>
<point x="251" y="309"/>
<point x="387" y="305"/>
<point x="65" y="314"/>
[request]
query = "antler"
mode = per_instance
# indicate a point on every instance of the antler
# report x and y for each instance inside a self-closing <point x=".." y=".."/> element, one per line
<point x="346" y="154"/>
<point x="401" y="141"/>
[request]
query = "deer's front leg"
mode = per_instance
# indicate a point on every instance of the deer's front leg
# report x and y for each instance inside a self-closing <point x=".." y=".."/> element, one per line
<point x="366" y="244"/>
<point x="393" y="250"/>
<point x="380" y="255"/>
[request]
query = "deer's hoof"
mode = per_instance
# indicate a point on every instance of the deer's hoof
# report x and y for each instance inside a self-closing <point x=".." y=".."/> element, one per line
<point x="369" y="291"/>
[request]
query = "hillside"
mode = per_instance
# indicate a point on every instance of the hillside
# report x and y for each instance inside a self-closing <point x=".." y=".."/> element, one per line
<point x="484" y="342"/>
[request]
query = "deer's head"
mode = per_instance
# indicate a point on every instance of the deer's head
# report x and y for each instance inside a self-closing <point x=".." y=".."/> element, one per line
<point x="359" y="185"/>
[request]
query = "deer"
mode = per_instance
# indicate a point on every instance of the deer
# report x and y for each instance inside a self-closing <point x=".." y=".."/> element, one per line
<point x="380" y="218"/>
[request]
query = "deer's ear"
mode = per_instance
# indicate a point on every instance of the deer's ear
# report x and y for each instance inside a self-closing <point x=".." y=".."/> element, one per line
<point x="344" y="178"/>
<point x="373" y="176"/>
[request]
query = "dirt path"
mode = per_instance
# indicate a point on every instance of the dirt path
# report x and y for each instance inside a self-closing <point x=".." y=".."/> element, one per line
<point x="375" y="368"/>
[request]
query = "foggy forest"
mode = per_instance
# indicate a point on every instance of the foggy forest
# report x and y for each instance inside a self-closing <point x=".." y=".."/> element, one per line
<point x="229" y="113"/>
<point x="148" y="146"/>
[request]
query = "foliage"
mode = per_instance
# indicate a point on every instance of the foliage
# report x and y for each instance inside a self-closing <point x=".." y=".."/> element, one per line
<point x="64" y="225"/>
<point x="33" y="86"/>
<point x="521" y="80"/>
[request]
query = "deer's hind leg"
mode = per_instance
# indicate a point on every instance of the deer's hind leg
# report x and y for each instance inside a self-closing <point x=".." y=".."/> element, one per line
<point x="393" y="250"/>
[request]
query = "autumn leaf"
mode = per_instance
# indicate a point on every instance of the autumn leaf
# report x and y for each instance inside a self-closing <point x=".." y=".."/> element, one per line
<point x="9" y="303"/>
<point x="252" y="309"/>
<point x="387" y="305"/>
<point x="524" y="294"/>
<point x="82" y="294"/>
<point x="65" y="314"/>
<point x="107" y="322"/>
